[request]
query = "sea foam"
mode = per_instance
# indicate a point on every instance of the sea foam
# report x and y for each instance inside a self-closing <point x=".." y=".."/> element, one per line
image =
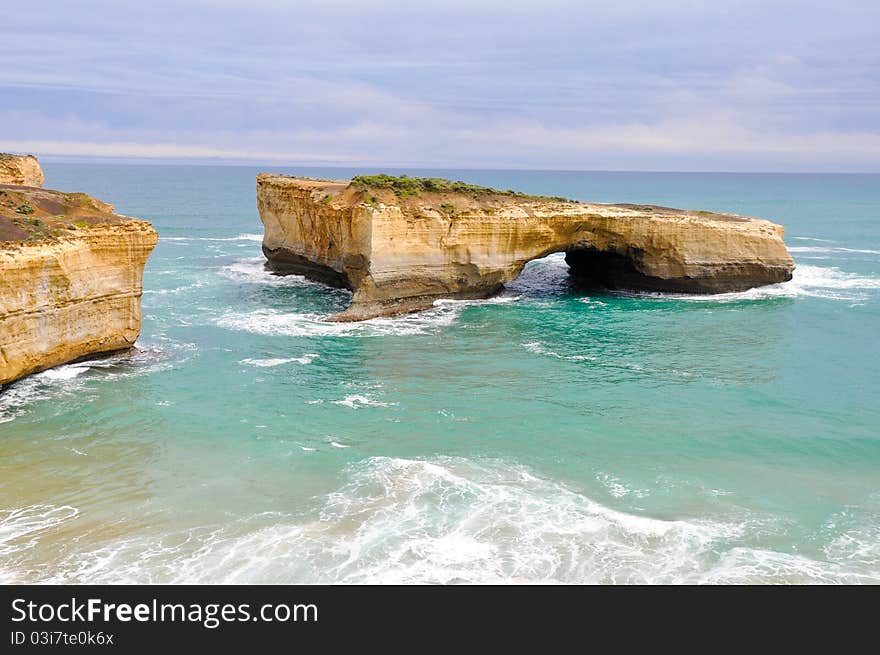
<point x="448" y="520"/>
<point x="308" y="358"/>
<point x="241" y="237"/>
<point x="294" y="324"/>
<point x="355" y="401"/>
<point x="252" y="270"/>
<point x="20" y="528"/>
<point x="62" y="381"/>
<point x="829" y="283"/>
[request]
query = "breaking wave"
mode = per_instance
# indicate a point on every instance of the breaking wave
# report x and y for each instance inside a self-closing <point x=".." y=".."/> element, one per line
<point x="807" y="281"/>
<point x="20" y="528"/>
<point x="356" y="401"/>
<point x="17" y="397"/>
<point x="539" y="348"/>
<point x="252" y="270"/>
<point x="308" y="358"/>
<point x="241" y="237"/>
<point x="292" y="324"/>
<point x="450" y="520"/>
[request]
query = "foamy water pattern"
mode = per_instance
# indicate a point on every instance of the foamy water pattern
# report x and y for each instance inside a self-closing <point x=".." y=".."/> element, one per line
<point x="543" y="279"/>
<point x="241" y="238"/>
<point x="64" y="381"/>
<point x="308" y="358"/>
<point x="20" y="529"/>
<point x="445" y="520"/>
<point x="252" y="270"/>
<point x="808" y="281"/>
<point x="293" y="324"/>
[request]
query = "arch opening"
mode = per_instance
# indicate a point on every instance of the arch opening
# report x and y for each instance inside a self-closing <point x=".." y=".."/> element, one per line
<point x="583" y="269"/>
<point x="591" y="268"/>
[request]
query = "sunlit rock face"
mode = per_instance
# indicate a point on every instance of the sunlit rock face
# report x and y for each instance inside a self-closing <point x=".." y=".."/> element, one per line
<point x="71" y="276"/>
<point x="399" y="251"/>
<point x="23" y="170"/>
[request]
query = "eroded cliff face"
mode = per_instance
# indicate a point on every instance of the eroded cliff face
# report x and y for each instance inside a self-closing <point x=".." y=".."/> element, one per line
<point x="400" y="254"/>
<point x="329" y="243"/>
<point x="23" y="170"/>
<point x="70" y="279"/>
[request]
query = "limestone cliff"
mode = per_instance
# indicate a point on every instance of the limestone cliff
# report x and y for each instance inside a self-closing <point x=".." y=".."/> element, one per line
<point x="70" y="278"/>
<point x="20" y="169"/>
<point x="401" y="246"/>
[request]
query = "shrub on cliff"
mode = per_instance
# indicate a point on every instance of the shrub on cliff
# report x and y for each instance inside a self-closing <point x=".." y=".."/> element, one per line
<point x="404" y="185"/>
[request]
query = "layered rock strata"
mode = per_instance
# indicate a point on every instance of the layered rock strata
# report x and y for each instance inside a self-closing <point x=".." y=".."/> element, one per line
<point x="23" y="170"/>
<point x="400" y="249"/>
<point x="71" y="275"/>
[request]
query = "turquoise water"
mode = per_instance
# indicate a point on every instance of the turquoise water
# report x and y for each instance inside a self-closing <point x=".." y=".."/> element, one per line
<point x="544" y="435"/>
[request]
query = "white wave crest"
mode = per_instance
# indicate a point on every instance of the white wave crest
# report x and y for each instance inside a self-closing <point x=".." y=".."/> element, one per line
<point x="175" y="290"/>
<point x="356" y="400"/>
<point x="308" y="358"/>
<point x="67" y="372"/>
<point x="252" y="270"/>
<point x="20" y="528"/>
<point x="16" y="398"/>
<point x="272" y="322"/>
<point x="447" y="520"/>
<point x="807" y="281"/>
<point x="240" y="237"/>
<point x="540" y="349"/>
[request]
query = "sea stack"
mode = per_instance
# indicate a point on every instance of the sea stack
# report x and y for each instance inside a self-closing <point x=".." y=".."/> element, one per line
<point x="401" y="243"/>
<point x="71" y="273"/>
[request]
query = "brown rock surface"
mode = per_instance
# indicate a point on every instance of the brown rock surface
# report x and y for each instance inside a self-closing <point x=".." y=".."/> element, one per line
<point x="21" y="170"/>
<point x="400" y="253"/>
<point x="70" y="278"/>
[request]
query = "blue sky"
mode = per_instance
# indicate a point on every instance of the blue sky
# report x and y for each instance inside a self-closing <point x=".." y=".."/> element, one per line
<point x="671" y="85"/>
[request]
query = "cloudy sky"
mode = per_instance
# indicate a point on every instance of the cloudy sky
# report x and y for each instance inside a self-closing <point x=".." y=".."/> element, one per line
<point x="624" y="85"/>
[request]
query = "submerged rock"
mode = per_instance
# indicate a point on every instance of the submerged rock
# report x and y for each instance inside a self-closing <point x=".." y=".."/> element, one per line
<point x="401" y="243"/>
<point x="71" y="275"/>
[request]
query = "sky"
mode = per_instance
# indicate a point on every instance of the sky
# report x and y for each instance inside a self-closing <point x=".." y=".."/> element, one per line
<point x="627" y="85"/>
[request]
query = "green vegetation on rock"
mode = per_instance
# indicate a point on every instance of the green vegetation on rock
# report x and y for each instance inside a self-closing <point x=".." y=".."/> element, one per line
<point x="404" y="185"/>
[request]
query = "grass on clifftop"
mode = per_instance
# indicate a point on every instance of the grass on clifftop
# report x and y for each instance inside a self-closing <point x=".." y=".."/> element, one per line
<point x="404" y="186"/>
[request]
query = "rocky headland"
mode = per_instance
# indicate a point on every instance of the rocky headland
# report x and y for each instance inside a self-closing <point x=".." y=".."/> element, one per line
<point x="71" y="274"/>
<point x="21" y="170"/>
<point x="401" y="243"/>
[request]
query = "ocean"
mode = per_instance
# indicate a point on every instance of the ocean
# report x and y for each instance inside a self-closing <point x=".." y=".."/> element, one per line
<point x="544" y="435"/>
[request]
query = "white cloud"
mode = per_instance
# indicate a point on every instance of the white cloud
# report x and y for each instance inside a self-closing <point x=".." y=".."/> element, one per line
<point x="682" y="144"/>
<point x="636" y="85"/>
<point x="161" y="151"/>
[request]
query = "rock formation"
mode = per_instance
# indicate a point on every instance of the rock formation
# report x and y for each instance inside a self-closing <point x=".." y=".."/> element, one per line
<point x="23" y="170"/>
<point x="70" y="278"/>
<point x="401" y="243"/>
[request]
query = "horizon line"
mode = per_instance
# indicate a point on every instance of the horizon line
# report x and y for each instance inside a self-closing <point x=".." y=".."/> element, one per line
<point x="208" y="162"/>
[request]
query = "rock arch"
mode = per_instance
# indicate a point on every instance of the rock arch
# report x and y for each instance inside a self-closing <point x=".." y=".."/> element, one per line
<point x="399" y="254"/>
